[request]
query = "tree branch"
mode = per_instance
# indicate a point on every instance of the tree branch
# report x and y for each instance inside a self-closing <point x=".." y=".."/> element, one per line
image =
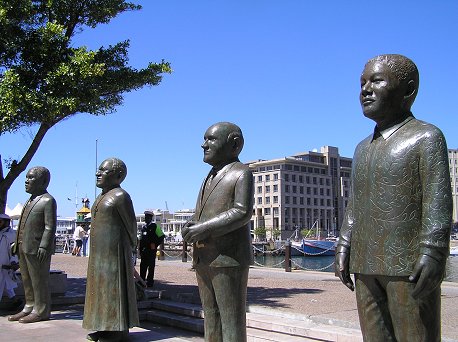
<point x="17" y="169"/>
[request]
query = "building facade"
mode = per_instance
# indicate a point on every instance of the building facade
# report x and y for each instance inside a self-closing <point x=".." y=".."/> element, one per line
<point x="308" y="190"/>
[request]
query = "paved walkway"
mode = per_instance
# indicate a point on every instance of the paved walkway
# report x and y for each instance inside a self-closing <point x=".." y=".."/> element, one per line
<point x="318" y="296"/>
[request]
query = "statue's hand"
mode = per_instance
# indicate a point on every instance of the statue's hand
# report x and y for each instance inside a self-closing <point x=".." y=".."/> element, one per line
<point x="42" y="254"/>
<point x="194" y="232"/>
<point x="428" y="274"/>
<point x="343" y="268"/>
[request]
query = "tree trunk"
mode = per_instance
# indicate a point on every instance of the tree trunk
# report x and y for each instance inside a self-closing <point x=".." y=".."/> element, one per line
<point x="17" y="168"/>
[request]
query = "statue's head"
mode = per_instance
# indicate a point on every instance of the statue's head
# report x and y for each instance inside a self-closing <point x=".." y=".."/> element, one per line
<point x="222" y="144"/>
<point x="111" y="173"/>
<point x="37" y="180"/>
<point x="389" y="85"/>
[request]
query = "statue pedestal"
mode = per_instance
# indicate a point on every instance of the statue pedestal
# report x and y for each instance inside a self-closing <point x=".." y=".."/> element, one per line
<point x="57" y="283"/>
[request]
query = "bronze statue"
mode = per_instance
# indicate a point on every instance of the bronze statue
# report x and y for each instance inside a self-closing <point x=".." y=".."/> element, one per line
<point x="111" y="306"/>
<point x="35" y="244"/>
<point x="220" y="233"/>
<point x="396" y="230"/>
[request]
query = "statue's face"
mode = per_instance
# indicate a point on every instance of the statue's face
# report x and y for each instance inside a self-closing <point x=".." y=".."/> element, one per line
<point x="217" y="150"/>
<point x="106" y="176"/>
<point x="382" y="94"/>
<point x="34" y="182"/>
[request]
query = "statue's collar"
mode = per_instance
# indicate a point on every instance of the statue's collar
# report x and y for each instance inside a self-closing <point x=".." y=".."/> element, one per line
<point x="386" y="133"/>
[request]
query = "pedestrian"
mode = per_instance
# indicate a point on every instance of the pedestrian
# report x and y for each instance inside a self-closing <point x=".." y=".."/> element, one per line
<point x="8" y="262"/>
<point x="78" y="238"/>
<point x="151" y="237"/>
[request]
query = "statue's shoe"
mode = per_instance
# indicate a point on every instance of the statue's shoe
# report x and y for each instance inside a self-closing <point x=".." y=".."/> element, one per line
<point x="93" y="336"/>
<point x="32" y="318"/>
<point x="18" y="316"/>
<point x="114" y="336"/>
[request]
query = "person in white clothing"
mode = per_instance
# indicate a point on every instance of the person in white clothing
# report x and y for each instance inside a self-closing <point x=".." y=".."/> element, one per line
<point x="9" y="263"/>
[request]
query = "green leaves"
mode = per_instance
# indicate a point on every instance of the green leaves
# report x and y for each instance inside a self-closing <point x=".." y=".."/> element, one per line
<point x="44" y="79"/>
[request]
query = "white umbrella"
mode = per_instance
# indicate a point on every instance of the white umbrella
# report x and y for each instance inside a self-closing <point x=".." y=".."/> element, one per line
<point x="15" y="214"/>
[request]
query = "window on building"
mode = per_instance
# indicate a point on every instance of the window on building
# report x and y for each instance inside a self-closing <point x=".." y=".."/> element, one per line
<point x="275" y="176"/>
<point x="308" y="190"/>
<point x="267" y="199"/>
<point x="259" y="200"/>
<point x="315" y="201"/>
<point x="328" y="182"/>
<point x="322" y="202"/>
<point x="259" y="189"/>
<point x="267" y="188"/>
<point x="286" y="188"/>
<point x="301" y="189"/>
<point x="308" y="200"/>
<point x="321" y="181"/>
<point x="266" y="211"/>
<point x="294" y="189"/>
<point x="267" y="178"/>
<point x="293" y="178"/>
<point x="321" y="191"/>
<point x="315" y="191"/>
<point x="275" y="188"/>
<point x="301" y="179"/>
<point x="307" y="179"/>
<point x="301" y="200"/>
<point x="259" y="178"/>
<point x="314" y="180"/>
<point x="328" y="192"/>
<point x="294" y="200"/>
<point x="286" y="177"/>
<point x="328" y="202"/>
<point x="275" y="199"/>
<point x="275" y="211"/>
<point x="286" y="199"/>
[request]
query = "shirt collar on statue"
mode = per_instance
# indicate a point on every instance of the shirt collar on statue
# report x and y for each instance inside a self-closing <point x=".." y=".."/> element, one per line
<point x="388" y="132"/>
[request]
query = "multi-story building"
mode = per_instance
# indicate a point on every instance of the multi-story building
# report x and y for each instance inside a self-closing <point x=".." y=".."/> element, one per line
<point x="453" y="163"/>
<point x="171" y="223"/>
<point x="306" y="190"/>
<point x="65" y="226"/>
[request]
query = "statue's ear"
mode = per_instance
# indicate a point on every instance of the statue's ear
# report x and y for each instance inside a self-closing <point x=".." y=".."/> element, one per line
<point x="411" y="90"/>
<point x="237" y="145"/>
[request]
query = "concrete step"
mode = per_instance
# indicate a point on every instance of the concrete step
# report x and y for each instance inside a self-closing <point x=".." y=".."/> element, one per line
<point x="175" y="320"/>
<point x="302" y="328"/>
<point x="261" y="326"/>
<point x="185" y="309"/>
<point x="256" y="335"/>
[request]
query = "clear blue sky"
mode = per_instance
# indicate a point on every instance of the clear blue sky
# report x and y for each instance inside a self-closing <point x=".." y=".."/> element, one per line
<point x="287" y="72"/>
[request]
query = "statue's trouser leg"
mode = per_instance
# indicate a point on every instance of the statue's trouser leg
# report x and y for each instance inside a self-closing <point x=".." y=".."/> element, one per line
<point x="39" y="279"/>
<point x="388" y="312"/>
<point x="223" y="294"/>
<point x="26" y="282"/>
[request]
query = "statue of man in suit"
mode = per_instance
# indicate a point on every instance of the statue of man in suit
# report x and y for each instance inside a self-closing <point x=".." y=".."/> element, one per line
<point x="35" y="244"/>
<point x="396" y="230"/>
<point x="220" y="233"/>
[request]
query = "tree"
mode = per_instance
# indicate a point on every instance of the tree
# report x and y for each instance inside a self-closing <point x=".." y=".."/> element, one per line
<point x="44" y="79"/>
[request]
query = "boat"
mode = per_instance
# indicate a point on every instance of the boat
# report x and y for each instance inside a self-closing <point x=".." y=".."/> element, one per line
<point x="313" y="247"/>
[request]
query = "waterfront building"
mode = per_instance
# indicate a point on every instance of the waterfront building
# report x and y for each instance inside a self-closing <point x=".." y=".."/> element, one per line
<point x="453" y="164"/>
<point x="308" y="190"/>
<point x="159" y="216"/>
<point x="65" y="225"/>
<point x="171" y="223"/>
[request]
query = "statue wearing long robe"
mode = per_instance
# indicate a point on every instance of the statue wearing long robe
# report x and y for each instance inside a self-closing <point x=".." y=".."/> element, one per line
<point x="111" y="303"/>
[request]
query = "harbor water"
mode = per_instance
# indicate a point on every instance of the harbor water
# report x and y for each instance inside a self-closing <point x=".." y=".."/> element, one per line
<point x="326" y="264"/>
